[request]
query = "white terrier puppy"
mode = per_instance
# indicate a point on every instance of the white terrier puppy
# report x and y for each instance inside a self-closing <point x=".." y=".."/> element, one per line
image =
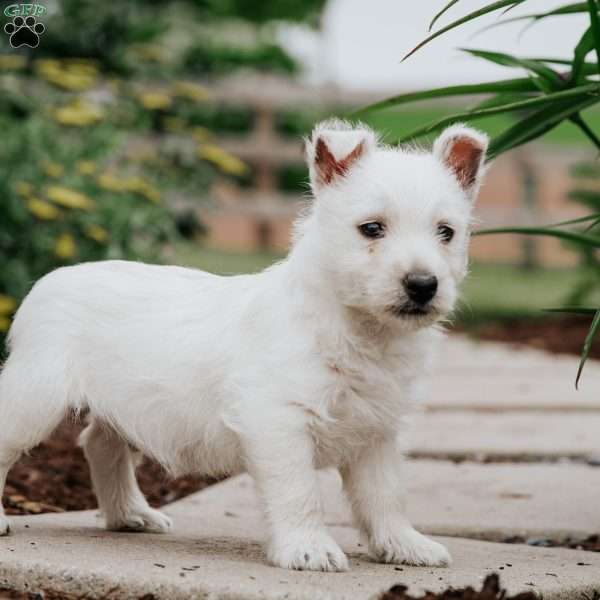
<point x="315" y="362"/>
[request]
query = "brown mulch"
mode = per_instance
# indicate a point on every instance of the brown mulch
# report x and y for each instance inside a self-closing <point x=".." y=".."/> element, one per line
<point x="589" y="544"/>
<point x="55" y="477"/>
<point x="561" y="335"/>
<point x="490" y="590"/>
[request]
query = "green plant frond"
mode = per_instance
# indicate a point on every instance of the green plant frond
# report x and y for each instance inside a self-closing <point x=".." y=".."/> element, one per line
<point x="578" y="221"/>
<point x="545" y="73"/>
<point x="573" y="310"/>
<point x="567" y="236"/>
<point x="441" y="13"/>
<point x="473" y="15"/>
<point x="583" y="48"/>
<point x="572" y="99"/>
<point x="500" y="100"/>
<point x="538" y="123"/>
<point x="595" y="26"/>
<point x="586" y="129"/>
<point x="567" y="9"/>
<point x="523" y="84"/>
<point x="587" y="345"/>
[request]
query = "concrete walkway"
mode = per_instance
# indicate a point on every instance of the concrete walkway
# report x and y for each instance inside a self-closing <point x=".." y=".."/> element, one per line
<point x="516" y="409"/>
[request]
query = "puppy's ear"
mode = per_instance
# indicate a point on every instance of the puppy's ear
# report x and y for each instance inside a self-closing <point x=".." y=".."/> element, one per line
<point x="462" y="150"/>
<point x="334" y="148"/>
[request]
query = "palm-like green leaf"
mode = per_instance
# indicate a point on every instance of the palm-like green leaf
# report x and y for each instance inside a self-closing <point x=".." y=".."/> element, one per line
<point x="473" y="15"/>
<point x="500" y="100"/>
<point x="586" y="129"/>
<point x="587" y="345"/>
<point x="578" y="221"/>
<point x="567" y="236"/>
<point x="574" y="98"/>
<point x="442" y="12"/>
<point x="538" y="123"/>
<point x="545" y="73"/>
<point x="567" y="9"/>
<point x="593" y="224"/>
<point x="583" y="48"/>
<point x="595" y="26"/>
<point x="523" y="84"/>
<point x="589" y="198"/>
<point x="575" y="310"/>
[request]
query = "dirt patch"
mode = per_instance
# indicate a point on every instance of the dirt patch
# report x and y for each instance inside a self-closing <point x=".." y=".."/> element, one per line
<point x="55" y="477"/>
<point x="564" y="335"/>
<point x="490" y="590"/>
<point x="590" y="544"/>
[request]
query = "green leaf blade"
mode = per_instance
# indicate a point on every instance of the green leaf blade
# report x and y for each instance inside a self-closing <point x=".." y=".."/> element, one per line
<point x="567" y="236"/>
<point x="523" y="84"/>
<point x="472" y="15"/>
<point x="595" y="26"/>
<point x="441" y="13"/>
<point x="587" y="346"/>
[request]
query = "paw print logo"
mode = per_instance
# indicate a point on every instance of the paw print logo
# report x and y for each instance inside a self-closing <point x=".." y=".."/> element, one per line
<point x="24" y="32"/>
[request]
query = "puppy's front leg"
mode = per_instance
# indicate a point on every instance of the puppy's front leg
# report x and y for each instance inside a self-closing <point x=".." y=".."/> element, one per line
<point x="279" y="456"/>
<point x="376" y="490"/>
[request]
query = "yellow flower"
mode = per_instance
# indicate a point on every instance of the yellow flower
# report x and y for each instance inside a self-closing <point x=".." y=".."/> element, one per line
<point x="7" y="304"/>
<point x="108" y="181"/>
<point x="42" y="210"/>
<point x="155" y="100"/>
<point x="201" y="134"/>
<point x="136" y="185"/>
<point x="10" y="62"/>
<point x="96" y="233"/>
<point x="221" y="158"/>
<point x="65" y="246"/>
<point x="4" y="323"/>
<point x="79" y="114"/>
<point x="74" y="75"/>
<point x="85" y="167"/>
<point x="24" y="189"/>
<point x="53" y="169"/>
<point x="192" y="91"/>
<point x="69" y="198"/>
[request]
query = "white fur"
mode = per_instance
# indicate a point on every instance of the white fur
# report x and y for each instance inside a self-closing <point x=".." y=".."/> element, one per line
<point x="299" y="367"/>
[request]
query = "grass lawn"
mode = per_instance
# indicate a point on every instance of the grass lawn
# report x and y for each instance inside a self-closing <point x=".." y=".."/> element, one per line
<point x="222" y="262"/>
<point x="497" y="292"/>
<point x="490" y="292"/>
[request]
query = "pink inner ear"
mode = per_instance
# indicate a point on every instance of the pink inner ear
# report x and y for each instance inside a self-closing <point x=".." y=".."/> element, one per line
<point x="326" y="164"/>
<point x="464" y="159"/>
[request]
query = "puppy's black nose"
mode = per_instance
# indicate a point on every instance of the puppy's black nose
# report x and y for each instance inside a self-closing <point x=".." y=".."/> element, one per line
<point x="420" y="287"/>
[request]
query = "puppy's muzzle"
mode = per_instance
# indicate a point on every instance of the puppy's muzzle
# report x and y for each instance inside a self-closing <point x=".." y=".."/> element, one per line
<point x="420" y="287"/>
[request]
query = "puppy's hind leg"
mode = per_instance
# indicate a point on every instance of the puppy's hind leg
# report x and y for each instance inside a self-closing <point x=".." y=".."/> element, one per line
<point x="32" y="403"/>
<point x="112" y="465"/>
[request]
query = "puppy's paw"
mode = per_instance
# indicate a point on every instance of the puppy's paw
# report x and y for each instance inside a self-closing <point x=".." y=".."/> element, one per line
<point x="147" y="520"/>
<point x="4" y="526"/>
<point x="410" y="547"/>
<point x="308" y="551"/>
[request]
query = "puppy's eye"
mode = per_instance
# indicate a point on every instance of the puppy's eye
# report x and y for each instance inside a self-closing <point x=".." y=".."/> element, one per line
<point x="445" y="232"/>
<point x="373" y="229"/>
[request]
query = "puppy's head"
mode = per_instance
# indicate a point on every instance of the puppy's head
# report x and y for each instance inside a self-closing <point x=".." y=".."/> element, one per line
<point x="391" y="226"/>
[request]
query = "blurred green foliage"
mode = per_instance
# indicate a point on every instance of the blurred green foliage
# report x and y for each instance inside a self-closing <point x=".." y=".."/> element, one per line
<point x="213" y="59"/>
<point x="104" y="123"/>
